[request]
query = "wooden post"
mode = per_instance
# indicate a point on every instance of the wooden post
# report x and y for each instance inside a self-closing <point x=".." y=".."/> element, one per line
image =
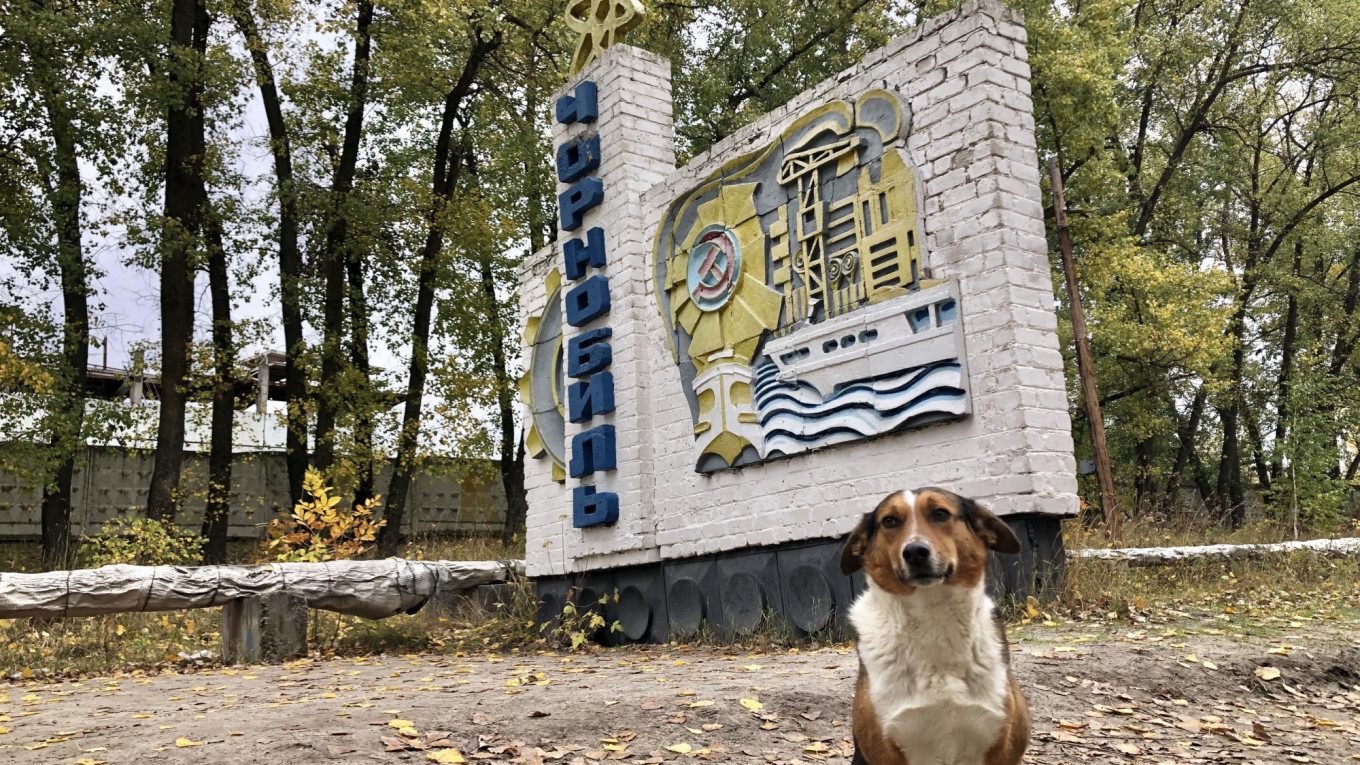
<point x="1086" y="371"/>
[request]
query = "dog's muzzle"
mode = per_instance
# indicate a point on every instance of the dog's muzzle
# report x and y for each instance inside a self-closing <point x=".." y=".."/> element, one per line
<point x="921" y="567"/>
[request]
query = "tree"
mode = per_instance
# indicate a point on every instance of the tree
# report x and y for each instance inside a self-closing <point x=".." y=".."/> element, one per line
<point x="1185" y="134"/>
<point x="735" y="61"/>
<point x="447" y="164"/>
<point x="54" y="116"/>
<point x="335" y="255"/>
<point x="217" y="507"/>
<point x="185" y="207"/>
<point x="289" y="255"/>
<point x="68" y="412"/>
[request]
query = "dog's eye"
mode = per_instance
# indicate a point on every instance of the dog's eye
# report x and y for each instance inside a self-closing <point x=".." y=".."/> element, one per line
<point x="890" y="522"/>
<point x="940" y="515"/>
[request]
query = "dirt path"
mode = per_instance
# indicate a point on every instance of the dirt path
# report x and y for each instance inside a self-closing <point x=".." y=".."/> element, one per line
<point x="1121" y="696"/>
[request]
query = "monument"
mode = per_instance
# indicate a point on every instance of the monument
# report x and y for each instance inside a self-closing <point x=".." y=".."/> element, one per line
<point x="730" y="361"/>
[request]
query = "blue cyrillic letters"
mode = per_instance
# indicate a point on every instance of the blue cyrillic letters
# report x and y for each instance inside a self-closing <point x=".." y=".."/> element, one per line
<point x="591" y="508"/>
<point x="577" y="201"/>
<point x="593" y="450"/>
<point x="588" y="301"/>
<point x="590" y="397"/>
<point x="578" y="254"/>
<point x="577" y="157"/>
<point x="589" y="352"/>
<point x="581" y="106"/>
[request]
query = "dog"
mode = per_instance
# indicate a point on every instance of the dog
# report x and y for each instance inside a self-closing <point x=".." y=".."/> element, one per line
<point x="935" y="684"/>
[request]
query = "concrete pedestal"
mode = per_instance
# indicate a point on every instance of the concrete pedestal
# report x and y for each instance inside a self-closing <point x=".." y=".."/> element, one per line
<point x="268" y="628"/>
<point x="799" y="584"/>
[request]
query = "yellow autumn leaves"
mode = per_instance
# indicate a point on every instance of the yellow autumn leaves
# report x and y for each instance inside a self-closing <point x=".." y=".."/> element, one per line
<point x="320" y="528"/>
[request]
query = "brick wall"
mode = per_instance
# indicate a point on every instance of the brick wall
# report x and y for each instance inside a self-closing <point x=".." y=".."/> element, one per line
<point x="966" y="79"/>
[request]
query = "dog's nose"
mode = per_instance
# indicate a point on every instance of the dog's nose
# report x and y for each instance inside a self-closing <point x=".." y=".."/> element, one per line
<point x="916" y="553"/>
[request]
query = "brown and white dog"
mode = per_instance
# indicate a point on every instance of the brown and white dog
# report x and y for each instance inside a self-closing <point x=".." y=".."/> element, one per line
<point x="935" y="685"/>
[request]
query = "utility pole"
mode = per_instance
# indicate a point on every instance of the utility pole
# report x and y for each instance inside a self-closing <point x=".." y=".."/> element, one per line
<point x="1086" y="370"/>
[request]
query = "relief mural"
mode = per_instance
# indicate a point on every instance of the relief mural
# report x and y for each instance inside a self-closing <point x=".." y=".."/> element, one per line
<point x="792" y="289"/>
<point x="541" y="387"/>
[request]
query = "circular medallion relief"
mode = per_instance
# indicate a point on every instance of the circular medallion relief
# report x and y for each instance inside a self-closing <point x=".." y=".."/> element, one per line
<point x="547" y="404"/>
<point x="714" y="267"/>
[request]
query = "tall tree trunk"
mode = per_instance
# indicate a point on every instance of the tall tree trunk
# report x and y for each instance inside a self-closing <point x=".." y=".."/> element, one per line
<point x="539" y="224"/>
<point x="448" y="165"/>
<point x="1346" y="338"/>
<point x="67" y="431"/>
<point x="540" y="230"/>
<point x="512" y="474"/>
<point x="366" y="403"/>
<point x="1231" y="495"/>
<point x="1229" y="491"/>
<point x="184" y="203"/>
<point x="408" y="438"/>
<point x="1144" y="452"/>
<point x="1347" y="334"/>
<point x="290" y="258"/>
<point x="1187" y="436"/>
<point x="1284" y="384"/>
<point x="217" y="511"/>
<point x="337" y="235"/>
<point x="1258" y="454"/>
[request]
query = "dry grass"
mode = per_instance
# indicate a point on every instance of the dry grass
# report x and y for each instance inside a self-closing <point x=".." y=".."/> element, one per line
<point x="1092" y="589"/>
<point x="1105" y="587"/>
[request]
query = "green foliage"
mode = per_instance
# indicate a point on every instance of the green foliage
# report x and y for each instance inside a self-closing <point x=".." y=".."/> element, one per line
<point x="1208" y="149"/>
<point x="734" y="61"/>
<point x="320" y="528"/>
<point x="142" y="542"/>
<point x="580" y="622"/>
<point x="1210" y="167"/>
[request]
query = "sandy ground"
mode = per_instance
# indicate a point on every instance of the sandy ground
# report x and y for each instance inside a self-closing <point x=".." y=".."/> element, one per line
<point x="1098" y="693"/>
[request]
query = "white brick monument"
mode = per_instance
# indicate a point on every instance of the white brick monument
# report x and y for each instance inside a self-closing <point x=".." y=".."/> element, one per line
<point x="731" y="361"/>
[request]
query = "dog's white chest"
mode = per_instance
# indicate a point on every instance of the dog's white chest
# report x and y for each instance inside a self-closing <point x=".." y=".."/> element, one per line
<point x="936" y="673"/>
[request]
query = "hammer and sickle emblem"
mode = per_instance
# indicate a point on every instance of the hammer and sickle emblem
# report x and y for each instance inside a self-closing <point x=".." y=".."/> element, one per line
<point x="601" y="23"/>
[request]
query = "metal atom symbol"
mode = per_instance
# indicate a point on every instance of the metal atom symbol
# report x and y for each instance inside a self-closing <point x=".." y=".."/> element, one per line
<point x="713" y="268"/>
<point x="601" y="23"/>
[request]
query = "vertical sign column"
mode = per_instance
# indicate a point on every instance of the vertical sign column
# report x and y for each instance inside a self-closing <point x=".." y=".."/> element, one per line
<point x="590" y="394"/>
<point x="613" y="141"/>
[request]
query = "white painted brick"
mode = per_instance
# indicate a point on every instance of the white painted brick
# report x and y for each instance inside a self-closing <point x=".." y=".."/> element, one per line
<point x="965" y="75"/>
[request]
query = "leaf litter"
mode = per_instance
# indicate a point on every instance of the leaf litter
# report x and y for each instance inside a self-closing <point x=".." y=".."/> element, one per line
<point x="1190" y="686"/>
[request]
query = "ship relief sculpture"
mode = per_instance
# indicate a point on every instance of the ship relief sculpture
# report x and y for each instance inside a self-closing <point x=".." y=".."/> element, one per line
<point x="793" y="291"/>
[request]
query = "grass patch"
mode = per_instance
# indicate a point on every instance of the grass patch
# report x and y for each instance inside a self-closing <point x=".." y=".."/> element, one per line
<point x="1259" y="595"/>
<point x="99" y="644"/>
<point x="1182" y="530"/>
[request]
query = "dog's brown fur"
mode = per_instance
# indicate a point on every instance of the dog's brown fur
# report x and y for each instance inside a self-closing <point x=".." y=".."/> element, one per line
<point x="961" y="532"/>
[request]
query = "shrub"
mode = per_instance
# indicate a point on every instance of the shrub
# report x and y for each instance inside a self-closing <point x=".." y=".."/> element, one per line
<point x="319" y="529"/>
<point x="142" y="542"/>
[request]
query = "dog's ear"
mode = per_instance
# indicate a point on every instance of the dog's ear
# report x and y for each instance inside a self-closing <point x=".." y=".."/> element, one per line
<point x="852" y="554"/>
<point x="994" y="532"/>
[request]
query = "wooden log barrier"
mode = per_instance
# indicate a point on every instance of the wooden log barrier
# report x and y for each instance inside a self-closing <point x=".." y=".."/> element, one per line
<point x="373" y="589"/>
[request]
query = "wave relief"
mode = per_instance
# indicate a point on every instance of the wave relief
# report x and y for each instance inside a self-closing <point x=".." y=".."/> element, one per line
<point x="795" y="417"/>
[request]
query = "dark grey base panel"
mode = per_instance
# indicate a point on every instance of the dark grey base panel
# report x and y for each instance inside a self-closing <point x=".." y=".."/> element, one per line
<point x="798" y="584"/>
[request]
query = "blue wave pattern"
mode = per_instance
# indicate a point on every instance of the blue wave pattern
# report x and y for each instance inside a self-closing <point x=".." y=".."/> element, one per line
<point x="794" y="417"/>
